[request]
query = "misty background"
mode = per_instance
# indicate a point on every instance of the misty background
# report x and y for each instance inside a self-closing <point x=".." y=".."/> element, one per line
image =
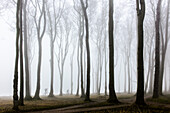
<point x="125" y="44"/>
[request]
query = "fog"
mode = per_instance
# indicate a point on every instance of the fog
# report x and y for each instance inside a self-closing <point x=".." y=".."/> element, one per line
<point x="125" y="43"/>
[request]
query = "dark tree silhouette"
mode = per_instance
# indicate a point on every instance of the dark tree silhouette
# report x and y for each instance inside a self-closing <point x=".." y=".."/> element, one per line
<point x="112" y="94"/>
<point x="140" y="64"/>
<point x="84" y="8"/>
<point x="157" y="53"/>
<point x="21" y="100"/>
<point x="15" y="81"/>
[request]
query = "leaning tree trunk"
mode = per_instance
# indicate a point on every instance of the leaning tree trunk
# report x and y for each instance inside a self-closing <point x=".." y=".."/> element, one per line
<point x="157" y="53"/>
<point x="140" y="65"/>
<point x="112" y="94"/>
<point x="21" y="100"/>
<point x="15" y="81"/>
<point x="27" y="74"/>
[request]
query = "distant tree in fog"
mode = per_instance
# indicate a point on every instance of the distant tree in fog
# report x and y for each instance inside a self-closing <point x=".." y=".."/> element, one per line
<point x="39" y="20"/>
<point x="54" y="18"/>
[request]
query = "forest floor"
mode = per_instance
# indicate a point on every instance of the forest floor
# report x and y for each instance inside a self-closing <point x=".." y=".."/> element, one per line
<point x="70" y="104"/>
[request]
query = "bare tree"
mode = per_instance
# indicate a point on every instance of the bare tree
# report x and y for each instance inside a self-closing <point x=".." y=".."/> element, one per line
<point x="15" y="81"/>
<point x="140" y="5"/>
<point x="165" y="41"/>
<point x="71" y="65"/>
<point x="80" y="24"/>
<point x="157" y="52"/>
<point x="112" y="94"/>
<point x="63" y="45"/>
<point x="54" y="18"/>
<point x="40" y="34"/>
<point x="27" y="68"/>
<point x="21" y="100"/>
<point x="84" y="8"/>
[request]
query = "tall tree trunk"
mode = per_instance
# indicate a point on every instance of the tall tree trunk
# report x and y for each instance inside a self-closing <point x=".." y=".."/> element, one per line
<point x="78" y="73"/>
<point x="128" y="74"/>
<point x="21" y="100"/>
<point x="87" y="48"/>
<point x="71" y="66"/>
<point x="105" y="74"/>
<point x="140" y="65"/>
<point x="149" y="66"/>
<point x="27" y="69"/>
<point x="100" y="70"/>
<point x="157" y="53"/>
<point x="51" y="94"/>
<point x="151" y="75"/>
<point x="164" y="48"/>
<point x="61" y="80"/>
<point x="81" y="66"/>
<point x="37" y="93"/>
<point x="165" y="79"/>
<point x="84" y="71"/>
<point x="112" y="94"/>
<point x="15" y="81"/>
<point x="81" y="35"/>
<point x="125" y="77"/>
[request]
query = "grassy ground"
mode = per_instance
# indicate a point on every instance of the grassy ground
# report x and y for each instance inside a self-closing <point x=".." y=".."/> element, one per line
<point x="160" y="105"/>
<point x="44" y="104"/>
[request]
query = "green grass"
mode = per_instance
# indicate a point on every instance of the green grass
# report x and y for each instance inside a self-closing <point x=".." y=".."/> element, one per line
<point x="162" y="99"/>
<point x="45" y="104"/>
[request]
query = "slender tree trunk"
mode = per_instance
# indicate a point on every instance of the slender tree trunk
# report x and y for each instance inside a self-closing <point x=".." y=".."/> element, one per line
<point x="81" y="66"/>
<point x="165" y="79"/>
<point x="84" y="71"/>
<point x="105" y="74"/>
<point x="151" y="75"/>
<point x="51" y="94"/>
<point x="39" y="38"/>
<point x="71" y="78"/>
<point x="27" y="69"/>
<point x="164" y="49"/>
<point x="112" y="94"/>
<point x="125" y="78"/>
<point x="149" y="66"/>
<point x="37" y="93"/>
<point x="78" y="73"/>
<point x="140" y="65"/>
<point x="15" y="81"/>
<point x="87" y="48"/>
<point x="100" y="69"/>
<point x="21" y="100"/>
<point x="128" y="75"/>
<point x="157" y="53"/>
<point x="61" y="80"/>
